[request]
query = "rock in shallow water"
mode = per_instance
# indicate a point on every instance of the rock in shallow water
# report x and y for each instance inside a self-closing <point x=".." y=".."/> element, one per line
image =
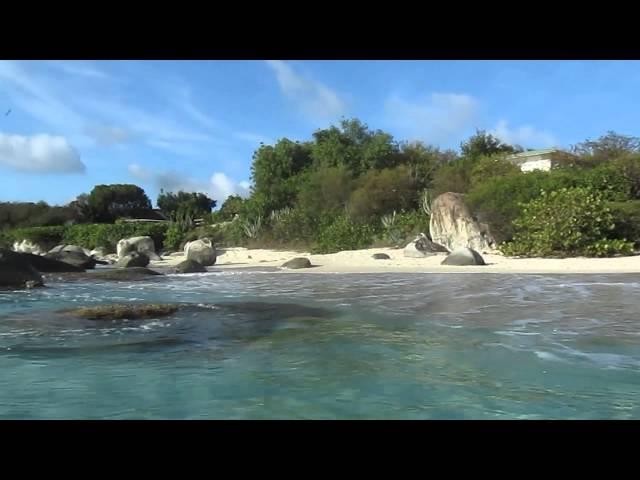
<point x="17" y="272"/>
<point x="133" y="259"/>
<point x="190" y="266"/>
<point x="296" y="263"/>
<point x="130" y="311"/>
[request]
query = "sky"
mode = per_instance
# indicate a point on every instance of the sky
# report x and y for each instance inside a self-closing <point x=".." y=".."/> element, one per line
<point x="66" y="126"/>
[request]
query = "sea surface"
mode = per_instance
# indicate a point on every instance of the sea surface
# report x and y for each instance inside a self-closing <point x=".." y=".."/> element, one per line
<point x="274" y="345"/>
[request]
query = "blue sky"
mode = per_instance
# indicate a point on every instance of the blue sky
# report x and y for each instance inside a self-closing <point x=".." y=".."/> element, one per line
<point x="195" y="124"/>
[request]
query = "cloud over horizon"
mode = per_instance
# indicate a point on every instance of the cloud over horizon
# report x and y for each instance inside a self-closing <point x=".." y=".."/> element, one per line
<point x="40" y="153"/>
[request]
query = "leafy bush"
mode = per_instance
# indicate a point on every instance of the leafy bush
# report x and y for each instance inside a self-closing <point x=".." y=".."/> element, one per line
<point x="399" y="229"/>
<point x="626" y="217"/>
<point x="382" y="192"/>
<point x="45" y="237"/>
<point x="107" y="236"/>
<point x="570" y="221"/>
<point x="343" y="234"/>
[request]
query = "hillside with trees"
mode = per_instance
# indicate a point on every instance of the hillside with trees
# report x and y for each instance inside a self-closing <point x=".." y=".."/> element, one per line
<point x="349" y="186"/>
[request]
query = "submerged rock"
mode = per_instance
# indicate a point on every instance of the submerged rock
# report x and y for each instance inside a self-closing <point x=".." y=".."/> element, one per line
<point x="122" y="274"/>
<point x="130" y="311"/>
<point x="190" y="266"/>
<point x="299" y="262"/>
<point x="464" y="256"/>
<point x="381" y="256"/>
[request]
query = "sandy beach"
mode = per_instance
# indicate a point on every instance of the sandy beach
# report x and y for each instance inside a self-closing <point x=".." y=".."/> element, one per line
<point x="361" y="261"/>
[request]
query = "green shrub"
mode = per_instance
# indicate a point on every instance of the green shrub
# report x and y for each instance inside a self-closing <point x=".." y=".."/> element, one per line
<point x="570" y="221"/>
<point x="400" y="228"/>
<point x="627" y="220"/>
<point x="107" y="236"/>
<point x="45" y="237"/>
<point x="343" y="234"/>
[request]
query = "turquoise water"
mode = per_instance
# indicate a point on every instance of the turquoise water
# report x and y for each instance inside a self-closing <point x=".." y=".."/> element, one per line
<point x="328" y="346"/>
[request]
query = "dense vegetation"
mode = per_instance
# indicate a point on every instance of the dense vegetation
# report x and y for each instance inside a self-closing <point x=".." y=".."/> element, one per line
<point x="349" y="187"/>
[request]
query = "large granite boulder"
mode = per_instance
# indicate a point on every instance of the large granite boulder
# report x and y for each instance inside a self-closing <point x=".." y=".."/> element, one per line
<point x="201" y="251"/>
<point x="296" y="263"/>
<point x="133" y="259"/>
<point x="70" y="248"/>
<point x="137" y="244"/>
<point x="453" y="226"/>
<point x="422" y="247"/>
<point x="462" y="257"/>
<point x="44" y="264"/>
<point x="17" y="272"/>
<point x="27" y="246"/>
<point x="190" y="266"/>
<point x="75" y="258"/>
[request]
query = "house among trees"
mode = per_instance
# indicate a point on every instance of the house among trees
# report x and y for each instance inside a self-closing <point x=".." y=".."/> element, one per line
<point x="541" y="159"/>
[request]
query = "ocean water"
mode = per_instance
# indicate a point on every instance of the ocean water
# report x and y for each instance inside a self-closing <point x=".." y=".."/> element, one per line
<point x="274" y="345"/>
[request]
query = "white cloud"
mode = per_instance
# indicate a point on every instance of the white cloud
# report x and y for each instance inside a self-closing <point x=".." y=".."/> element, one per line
<point x="438" y="118"/>
<point x="39" y="154"/>
<point x="314" y="99"/>
<point x="219" y="187"/>
<point x="525" y="136"/>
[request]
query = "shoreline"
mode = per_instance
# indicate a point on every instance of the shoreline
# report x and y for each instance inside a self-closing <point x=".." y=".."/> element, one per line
<point x="361" y="261"/>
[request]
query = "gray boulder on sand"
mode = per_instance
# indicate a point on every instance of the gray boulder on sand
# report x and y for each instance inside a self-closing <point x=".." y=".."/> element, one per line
<point x="190" y="266"/>
<point x="137" y="244"/>
<point x="75" y="258"/>
<point x="133" y="259"/>
<point x="299" y="262"/>
<point x="381" y="256"/>
<point x="422" y="247"/>
<point x="453" y="225"/>
<point x="17" y="272"/>
<point x="201" y="251"/>
<point x="463" y="256"/>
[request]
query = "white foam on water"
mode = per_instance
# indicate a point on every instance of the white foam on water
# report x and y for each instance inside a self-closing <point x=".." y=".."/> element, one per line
<point x="547" y="356"/>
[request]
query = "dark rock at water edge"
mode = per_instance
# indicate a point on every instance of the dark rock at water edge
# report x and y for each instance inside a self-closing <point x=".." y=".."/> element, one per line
<point x="133" y="259"/>
<point x="296" y="263"/>
<point x="131" y="274"/>
<point x="17" y="272"/>
<point x="190" y="266"/>
<point x="381" y="256"/>
<point x="75" y="258"/>
<point x="463" y="257"/>
<point x="47" y="265"/>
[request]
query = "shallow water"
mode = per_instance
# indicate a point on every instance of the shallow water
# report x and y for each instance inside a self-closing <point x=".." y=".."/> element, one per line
<point x="406" y="346"/>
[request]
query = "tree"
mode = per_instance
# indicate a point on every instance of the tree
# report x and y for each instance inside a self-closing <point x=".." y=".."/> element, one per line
<point x="231" y="207"/>
<point x="275" y="170"/>
<point x="106" y="203"/>
<point x="485" y="144"/>
<point x="193" y="204"/>
<point x="608" y="147"/>
<point x="423" y="161"/>
<point x="326" y="190"/>
<point x="383" y="191"/>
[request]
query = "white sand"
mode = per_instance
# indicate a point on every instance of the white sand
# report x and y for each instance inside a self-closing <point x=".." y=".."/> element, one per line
<point x="361" y="261"/>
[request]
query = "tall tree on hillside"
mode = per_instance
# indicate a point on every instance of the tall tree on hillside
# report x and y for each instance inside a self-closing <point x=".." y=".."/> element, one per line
<point x="106" y="203"/>
<point x="484" y="144"/>
<point x="608" y="147"/>
<point x="274" y="172"/>
<point x="193" y="204"/>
